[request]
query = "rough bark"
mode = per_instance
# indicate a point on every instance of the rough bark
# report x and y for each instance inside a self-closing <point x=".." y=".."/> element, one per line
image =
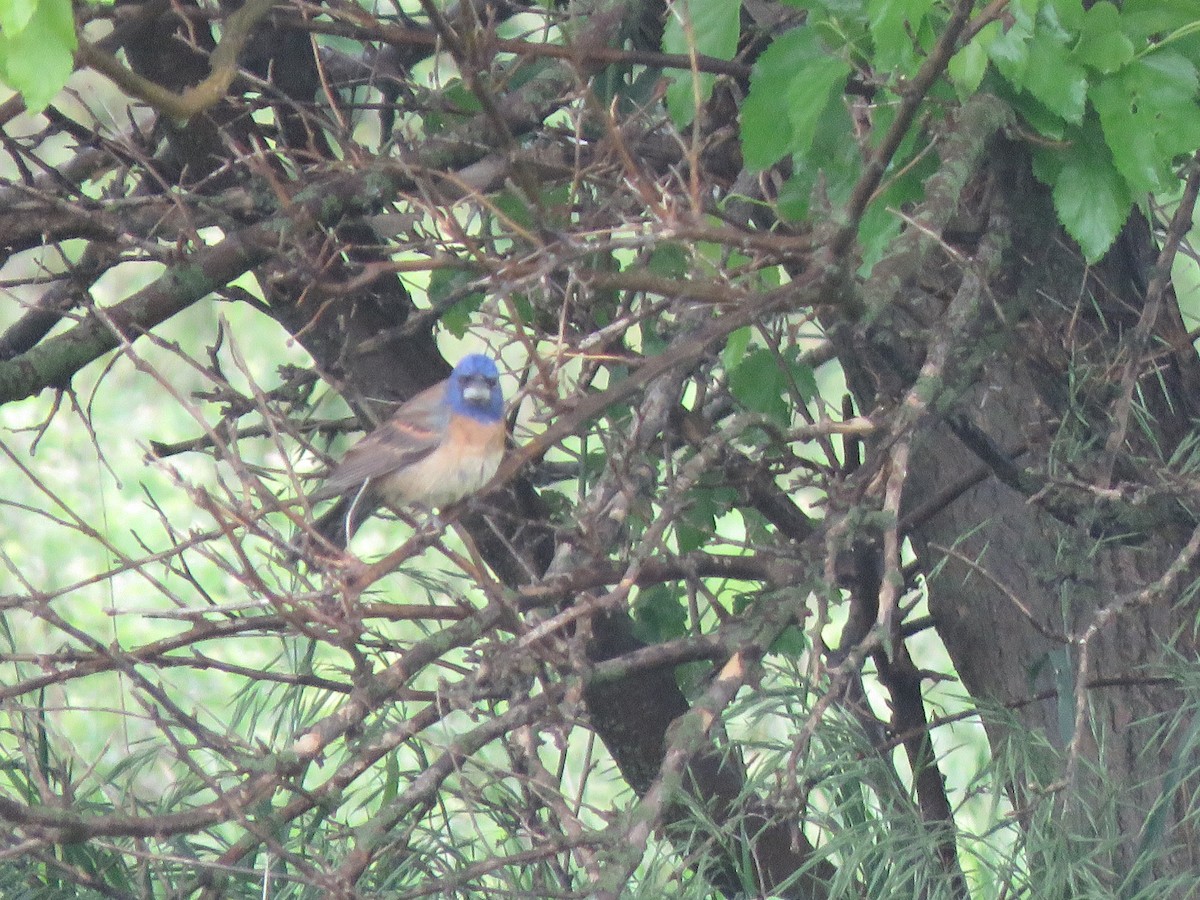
<point x="1018" y="572"/>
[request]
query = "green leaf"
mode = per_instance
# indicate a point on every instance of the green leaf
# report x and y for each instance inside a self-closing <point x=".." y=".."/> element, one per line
<point x="892" y="24"/>
<point x="668" y="260"/>
<point x="1010" y="50"/>
<point x="1064" y="681"/>
<point x="462" y="98"/>
<point x="445" y="284"/>
<point x="38" y="59"/>
<point x="523" y="307"/>
<point x="968" y="66"/>
<point x="1066" y="16"/>
<point x="792" y="84"/>
<point x="1149" y="114"/>
<point x="834" y="163"/>
<point x="759" y="384"/>
<point x="766" y="138"/>
<point x="659" y="614"/>
<point x="880" y="224"/>
<point x="876" y="231"/>
<point x="791" y="643"/>
<point x="1052" y="77"/>
<point x="735" y="347"/>
<point x="653" y="343"/>
<point x="689" y="537"/>
<point x="1090" y="196"/>
<point x="16" y="14"/>
<point x="795" y="195"/>
<point x="391" y="780"/>
<point x="457" y="319"/>
<point x="811" y="93"/>
<point x="1102" y="45"/>
<point x="515" y="207"/>
<point x="804" y="380"/>
<point x="1142" y="18"/>
<point x="1041" y="120"/>
<point x="712" y="27"/>
<point x="697" y="524"/>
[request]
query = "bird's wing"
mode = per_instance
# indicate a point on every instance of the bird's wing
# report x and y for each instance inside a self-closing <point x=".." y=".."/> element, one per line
<point x="411" y="434"/>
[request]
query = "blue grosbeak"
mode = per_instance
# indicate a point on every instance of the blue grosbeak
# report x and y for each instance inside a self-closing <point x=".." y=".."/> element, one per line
<point x="438" y="447"/>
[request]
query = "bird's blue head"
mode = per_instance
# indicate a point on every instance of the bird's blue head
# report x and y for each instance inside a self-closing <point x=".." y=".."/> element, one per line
<point x="474" y="389"/>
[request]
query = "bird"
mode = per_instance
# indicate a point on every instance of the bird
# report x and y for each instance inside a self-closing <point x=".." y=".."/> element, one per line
<point x="438" y="447"/>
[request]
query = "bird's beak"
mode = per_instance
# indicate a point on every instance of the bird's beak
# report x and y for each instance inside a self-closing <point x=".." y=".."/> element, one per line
<point x="477" y="391"/>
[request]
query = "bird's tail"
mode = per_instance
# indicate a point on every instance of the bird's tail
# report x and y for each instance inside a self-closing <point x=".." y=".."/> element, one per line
<point x="336" y="525"/>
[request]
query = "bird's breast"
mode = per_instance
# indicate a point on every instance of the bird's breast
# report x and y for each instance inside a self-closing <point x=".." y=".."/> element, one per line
<point x="461" y="464"/>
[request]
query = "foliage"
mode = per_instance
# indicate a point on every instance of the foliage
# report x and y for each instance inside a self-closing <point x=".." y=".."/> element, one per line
<point x="1111" y="91"/>
<point x="37" y="43"/>
<point x="847" y="544"/>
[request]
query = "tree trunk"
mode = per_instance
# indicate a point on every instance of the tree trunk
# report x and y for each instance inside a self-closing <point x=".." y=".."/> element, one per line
<point x="1036" y="557"/>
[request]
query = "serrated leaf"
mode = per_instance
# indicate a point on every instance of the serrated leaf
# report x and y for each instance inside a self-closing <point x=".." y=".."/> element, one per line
<point x="713" y="27"/>
<point x="968" y="66"/>
<point x="1066" y="16"/>
<point x="1090" y="196"/>
<point x="1093" y="210"/>
<point x="1102" y="45"/>
<point x="759" y="384"/>
<point x="804" y="380"/>
<point x="1051" y="77"/>
<point x="880" y="224"/>
<point x="443" y="285"/>
<point x="793" y="82"/>
<point x="462" y="98"/>
<point x="1040" y="119"/>
<point x="668" y="260"/>
<point x="892" y="24"/>
<point x="1010" y="50"/>
<point x="688" y="537"/>
<point x="659" y="614"/>
<point x="1047" y="164"/>
<point x="811" y="94"/>
<point x="38" y="59"/>
<point x="834" y="162"/>
<point x="1166" y="79"/>
<point x="766" y="139"/>
<point x="523" y="308"/>
<point x="791" y="643"/>
<point x="735" y="347"/>
<point x="876" y="231"/>
<point x="1149" y="115"/>
<point x="515" y="207"/>
<point x="1142" y="18"/>
<point x="706" y="503"/>
<point x="457" y="319"/>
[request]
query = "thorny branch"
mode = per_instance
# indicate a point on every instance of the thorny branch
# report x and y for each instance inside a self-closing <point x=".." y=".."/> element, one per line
<point x="455" y="701"/>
